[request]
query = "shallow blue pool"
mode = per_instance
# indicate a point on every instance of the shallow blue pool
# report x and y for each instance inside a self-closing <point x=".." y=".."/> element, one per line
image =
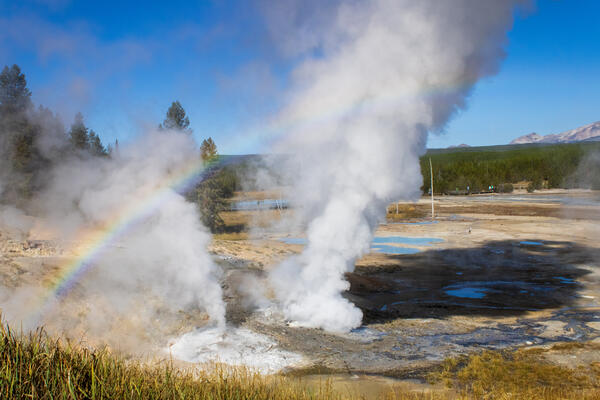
<point x="531" y="243"/>
<point x="418" y="241"/>
<point x="266" y="204"/>
<point x="388" y="249"/>
<point x="563" y="279"/>
<point x="467" y="292"/>
<point x="384" y="244"/>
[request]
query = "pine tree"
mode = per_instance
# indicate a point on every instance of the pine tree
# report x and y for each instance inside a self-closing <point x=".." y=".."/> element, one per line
<point x="18" y="155"/>
<point x="14" y="95"/>
<point x="176" y="119"/>
<point x="210" y="203"/>
<point x="208" y="150"/>
<point x="96" y="146"/>
<point x="78" y="135"/>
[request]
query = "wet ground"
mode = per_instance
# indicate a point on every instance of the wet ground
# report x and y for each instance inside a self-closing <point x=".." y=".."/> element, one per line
<point x="485" y="274"/>
<point x="479" y="279"/>
<point x="424" y="307"/>
<point x="384" y="244"/>
<point x="498" y="278"/>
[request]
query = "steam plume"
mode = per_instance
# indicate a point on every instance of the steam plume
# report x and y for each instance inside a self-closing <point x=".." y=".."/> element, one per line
<point x="159" y="265"/>
<point x="379" y="77"/>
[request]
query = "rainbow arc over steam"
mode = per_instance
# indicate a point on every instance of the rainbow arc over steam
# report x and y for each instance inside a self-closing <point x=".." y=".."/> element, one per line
<point x="100" y="240"/>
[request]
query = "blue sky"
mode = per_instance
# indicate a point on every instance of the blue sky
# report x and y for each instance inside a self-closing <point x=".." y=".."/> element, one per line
<point x="122" y="64"/>
<point x="548" y="83"/>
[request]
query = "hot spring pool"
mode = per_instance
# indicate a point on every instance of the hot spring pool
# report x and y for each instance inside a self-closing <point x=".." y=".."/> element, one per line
<point x="385" y="244"/>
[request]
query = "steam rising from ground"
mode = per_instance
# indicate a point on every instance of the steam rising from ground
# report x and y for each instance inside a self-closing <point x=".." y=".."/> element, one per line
<point x="382" y="75"/>
<point x="238" y="347"/>
<point x="379" y="76"/>
<point x="157" y="267"/>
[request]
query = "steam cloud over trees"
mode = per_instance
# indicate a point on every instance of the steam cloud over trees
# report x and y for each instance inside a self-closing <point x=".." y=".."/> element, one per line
<point x="74" y="185"/>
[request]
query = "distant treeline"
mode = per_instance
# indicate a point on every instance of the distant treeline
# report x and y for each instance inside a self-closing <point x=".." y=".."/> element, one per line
<point x="32" y="139"/>
<point x="476" y="169"/>
<point x="458" y="170"/>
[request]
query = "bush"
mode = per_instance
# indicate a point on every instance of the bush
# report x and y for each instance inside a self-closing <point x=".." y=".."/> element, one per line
<point x="211" y="202"/>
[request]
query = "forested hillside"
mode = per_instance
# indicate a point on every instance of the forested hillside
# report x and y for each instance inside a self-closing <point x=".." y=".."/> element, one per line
<point x="475" y="169"/>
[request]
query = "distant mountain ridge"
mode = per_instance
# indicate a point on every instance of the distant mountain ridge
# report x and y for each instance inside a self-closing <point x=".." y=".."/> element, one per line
<point x="589" y="132"/>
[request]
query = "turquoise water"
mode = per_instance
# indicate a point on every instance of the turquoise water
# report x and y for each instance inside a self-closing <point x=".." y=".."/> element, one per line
<point x="266" y="204"/>
<point x="531" y="243"/>
<point x="384" y="244"/>
<point x="562" y="279"/>
<point x="301" y="241"/>
<point x="387" y="249"/>
<point x="467" y="293"/>
<point x="418" y="241"/>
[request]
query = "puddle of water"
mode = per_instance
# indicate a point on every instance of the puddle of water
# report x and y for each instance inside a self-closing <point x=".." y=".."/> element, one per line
<point x="531" y="243"/>
<point x="266" y="204"/>
<point x="467" y="293"/>
<point x="418" y="241"/>
<point x="384" y="244"/>
<point x="389" y="249"/>
<point x="301" y="241"/>
<point x="562" y="279"/>
<point x="503" y="285"/>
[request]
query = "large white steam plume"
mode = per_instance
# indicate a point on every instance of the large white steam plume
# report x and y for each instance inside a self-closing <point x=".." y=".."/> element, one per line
<point x="144" y="242"/>
<point x="379" y="76"/>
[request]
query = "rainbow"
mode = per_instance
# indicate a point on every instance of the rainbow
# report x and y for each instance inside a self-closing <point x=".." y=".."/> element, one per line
<point x="100" y="240"/>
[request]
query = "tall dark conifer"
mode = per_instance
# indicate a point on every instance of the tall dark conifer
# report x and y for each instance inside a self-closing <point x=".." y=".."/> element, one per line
<point x="17" y="135"/>
<point x="176" y="119"/>
<point x="78" y="135"/>
<point x="96" y="146"/>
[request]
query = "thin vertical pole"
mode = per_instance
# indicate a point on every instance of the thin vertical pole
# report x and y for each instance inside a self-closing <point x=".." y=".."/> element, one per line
<point x="280" y="203"/>
<point x="431" y="169"/>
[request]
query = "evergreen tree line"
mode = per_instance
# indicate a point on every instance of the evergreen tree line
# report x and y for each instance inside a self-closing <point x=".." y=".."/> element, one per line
<point x="475" y="170"/>
<point x="33" y="139"/>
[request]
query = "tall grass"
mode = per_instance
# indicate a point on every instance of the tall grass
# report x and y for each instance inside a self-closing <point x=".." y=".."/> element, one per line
<point x="34" y="366"/>
<point x="520" y="374"/>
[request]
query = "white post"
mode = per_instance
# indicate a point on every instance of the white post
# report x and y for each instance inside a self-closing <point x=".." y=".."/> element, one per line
<point x="431" y="169"/>
<point x="280" y="203"/>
